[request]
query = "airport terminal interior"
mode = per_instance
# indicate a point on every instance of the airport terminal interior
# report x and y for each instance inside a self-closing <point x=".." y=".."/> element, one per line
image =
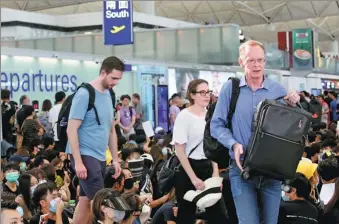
<point x="169" y="112"/>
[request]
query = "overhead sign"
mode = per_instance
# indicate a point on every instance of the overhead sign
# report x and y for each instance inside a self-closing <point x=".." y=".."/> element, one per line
<point x="118" y="22"/>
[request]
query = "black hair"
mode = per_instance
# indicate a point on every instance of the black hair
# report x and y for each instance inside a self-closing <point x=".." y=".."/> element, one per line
<point x="325" y="93"/>
<point x="25" y="188"/>
<point x="311" y="137"/>
<point x="111" y="63"/>
<point x="109" y="181"/>
<point x="125" y="153"/>
<point x="5" y="94"/>
<point x="28" y="111"/>
<point x="47" y="141"/>
<point x="59" y="96"/>
<point x="22" y="99"/>
<point x="46" y="105"/>
<point x="34" y="143"/>
<point x="328" y="143"/>
<point x="50" y="155"/>
<point x="136" y="95"/>
<point x="10" y="151"/>
<point x="41" y="191"/>
<point x="8" y="205"/>
<point x="312" y="150"/>
<point x="132" y="137"/>
<point x="125" y="97"/>
<point x="302" y="186"/>
<point x="175" y="95"/>
<point x="11" y="166"/>
<point x="328" y="169"/>
<point x="139" y="150"/>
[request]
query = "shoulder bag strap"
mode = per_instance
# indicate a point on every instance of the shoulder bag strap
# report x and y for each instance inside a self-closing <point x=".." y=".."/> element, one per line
<point x="234" y="99"/>
<point x="192" y="150"/>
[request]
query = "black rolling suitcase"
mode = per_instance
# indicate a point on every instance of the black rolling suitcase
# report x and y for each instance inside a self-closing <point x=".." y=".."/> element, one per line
<point x="276" y="146"/>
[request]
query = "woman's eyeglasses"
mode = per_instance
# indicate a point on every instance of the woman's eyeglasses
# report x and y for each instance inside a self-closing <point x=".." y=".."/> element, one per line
<point x="203" y="92"/>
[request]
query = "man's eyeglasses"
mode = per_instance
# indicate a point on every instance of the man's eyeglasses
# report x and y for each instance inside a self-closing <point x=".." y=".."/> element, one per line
<point x="203" y="92"/>
<point x="253" y="61"/>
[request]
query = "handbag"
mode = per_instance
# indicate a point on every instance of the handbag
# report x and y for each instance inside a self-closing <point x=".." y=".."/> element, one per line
<point x="167" y="172"/>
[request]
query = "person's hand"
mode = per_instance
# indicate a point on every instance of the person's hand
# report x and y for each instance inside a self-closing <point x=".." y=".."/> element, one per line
<point x="238" y="151"/>
<point x="292" y="98"/>
<point x="81" y="170"/>
<point x="198" y="184"/>
<point x="67" y="179"/>
<point x="175" y="211"/>
<point x="60" y="206"/>
<point x="148" y="139"/>
<point x="117" y="169"/>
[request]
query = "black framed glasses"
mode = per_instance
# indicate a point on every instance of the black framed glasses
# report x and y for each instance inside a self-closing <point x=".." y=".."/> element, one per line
<point x="203" y="92"/>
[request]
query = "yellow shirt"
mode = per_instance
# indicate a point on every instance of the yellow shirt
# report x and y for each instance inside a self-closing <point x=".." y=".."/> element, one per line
<point x="108" y="156"/>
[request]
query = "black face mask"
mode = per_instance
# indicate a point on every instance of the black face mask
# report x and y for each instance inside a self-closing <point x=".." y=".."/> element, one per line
<point x="60" y="173"/>
<point x="129" y="183"/>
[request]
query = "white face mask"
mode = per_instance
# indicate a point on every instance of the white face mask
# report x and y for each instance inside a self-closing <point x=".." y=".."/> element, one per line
<point x="164" y="151"/>
<point x="118" y="216"/>
<point x="326" y="193"/>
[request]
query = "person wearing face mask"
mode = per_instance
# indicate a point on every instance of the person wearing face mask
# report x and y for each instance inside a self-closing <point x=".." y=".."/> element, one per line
<point x="12" y="173"/>
<point x="329" y="174"/>
<point x="295" y="207"/>
<point x="44" y="207"/>
<point x="109" y="207"/>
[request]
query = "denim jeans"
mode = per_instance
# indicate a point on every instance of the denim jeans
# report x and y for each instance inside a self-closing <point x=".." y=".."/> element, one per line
<point x="257" y="200"/>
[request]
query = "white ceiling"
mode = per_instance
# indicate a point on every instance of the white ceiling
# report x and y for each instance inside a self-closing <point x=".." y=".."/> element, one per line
<point x="259" y="19"/>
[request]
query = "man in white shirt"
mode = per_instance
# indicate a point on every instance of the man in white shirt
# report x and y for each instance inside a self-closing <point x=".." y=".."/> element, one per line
<point x="53" y="118"/>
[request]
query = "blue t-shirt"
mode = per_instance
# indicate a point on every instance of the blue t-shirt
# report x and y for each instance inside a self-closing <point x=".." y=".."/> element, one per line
<point x="93" y="138"/>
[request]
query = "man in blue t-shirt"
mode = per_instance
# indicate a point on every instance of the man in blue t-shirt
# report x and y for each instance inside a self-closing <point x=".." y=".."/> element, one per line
<point x="333" y="106"/>
<point x="87" y="140"/>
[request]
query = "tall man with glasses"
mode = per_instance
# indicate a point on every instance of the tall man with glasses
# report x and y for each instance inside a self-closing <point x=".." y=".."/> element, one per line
<point x="258" y="199"/>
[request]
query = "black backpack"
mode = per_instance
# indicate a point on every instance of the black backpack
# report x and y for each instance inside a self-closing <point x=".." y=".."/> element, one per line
<point x="62" y="122"/>
<point x="214" y="150"/>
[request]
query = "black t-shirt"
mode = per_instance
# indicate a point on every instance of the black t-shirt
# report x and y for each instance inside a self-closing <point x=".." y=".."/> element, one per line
<point x="5" y="188"/>
<point x="297" y="212"/>
<point x="8" y="111"/>
<point x="36" y="219"/>
<point x="164" y="214"/>
<point x="20" y="116"/>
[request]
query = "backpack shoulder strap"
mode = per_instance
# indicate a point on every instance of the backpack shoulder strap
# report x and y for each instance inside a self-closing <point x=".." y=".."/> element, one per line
<point x="234" y="99"/>
<point x="112" y="93"/>
<point x="131" y="111"/>
<point x="91" y="100"/>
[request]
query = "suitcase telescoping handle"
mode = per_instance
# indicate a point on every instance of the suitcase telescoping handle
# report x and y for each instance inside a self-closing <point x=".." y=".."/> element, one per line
<point x="282" y="97"/>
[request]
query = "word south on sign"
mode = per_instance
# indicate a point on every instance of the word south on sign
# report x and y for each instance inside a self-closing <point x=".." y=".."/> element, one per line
<point x="118" y="22"/>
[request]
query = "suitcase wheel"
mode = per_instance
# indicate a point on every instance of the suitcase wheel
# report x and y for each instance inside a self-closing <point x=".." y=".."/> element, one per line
<point x="245" y="174"/>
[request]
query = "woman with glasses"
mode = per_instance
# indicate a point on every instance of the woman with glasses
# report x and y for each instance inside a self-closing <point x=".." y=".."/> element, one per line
<point x="188" y="133"/>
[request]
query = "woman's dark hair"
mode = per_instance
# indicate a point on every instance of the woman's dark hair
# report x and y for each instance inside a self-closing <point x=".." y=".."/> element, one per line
<point x="334" y="198"/>
<point x="109" y="181"/>
<point x="49" y="171"/>
<point x="38" y="173"/>
<point x="100" y="199"/>
<point x="156" y="154"/>
<point x="41" y="191"/>
<point x="125" y="97"/>
<point x="28" y="111"/>
<point x="192" y="88"/>
<point x="56" y="161"/>
<point x="24" y="188"/>
<point x="46" y="105"/>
